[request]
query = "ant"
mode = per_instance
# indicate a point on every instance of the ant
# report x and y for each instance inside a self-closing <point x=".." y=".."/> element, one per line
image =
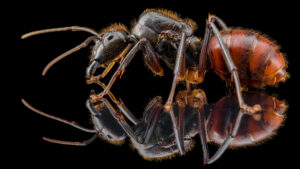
<point x="239" y="56"/>
<point x="153" y="135"/>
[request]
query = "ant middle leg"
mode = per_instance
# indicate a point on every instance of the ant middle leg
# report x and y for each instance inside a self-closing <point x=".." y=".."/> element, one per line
<point x="179" y="70"/>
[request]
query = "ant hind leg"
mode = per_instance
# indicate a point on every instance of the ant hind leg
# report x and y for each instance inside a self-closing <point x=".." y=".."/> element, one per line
<point x="244" y="108"/>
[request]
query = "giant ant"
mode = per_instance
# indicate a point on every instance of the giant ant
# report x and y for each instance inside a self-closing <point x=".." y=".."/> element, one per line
<point x="239" y="56"/>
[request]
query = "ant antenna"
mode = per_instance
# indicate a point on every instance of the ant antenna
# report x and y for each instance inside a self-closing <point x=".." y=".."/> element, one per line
<point x="72" y="28"/>
<point x="60" y="57"/>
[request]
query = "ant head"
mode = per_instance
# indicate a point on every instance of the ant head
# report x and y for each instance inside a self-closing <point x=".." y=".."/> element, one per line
<point x="114" y="40"/>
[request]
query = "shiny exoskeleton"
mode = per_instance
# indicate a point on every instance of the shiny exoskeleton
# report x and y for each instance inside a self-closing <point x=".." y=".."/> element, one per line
<point x="153" y="135"/>
<point x="242" y="57"/>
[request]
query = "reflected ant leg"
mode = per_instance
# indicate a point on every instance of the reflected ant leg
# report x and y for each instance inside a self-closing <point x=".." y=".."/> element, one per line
<point x="245" y="109"/>
<point x="203" y="133"/>
<point x="150" y="55"/>
<point x="151" y="113"/>
<point x="119" y="104"/>
<point x="178" y="70"/>
<point x="228" y="140"/>
<point x="179" y="131"/>
<point x="117" y="115"/>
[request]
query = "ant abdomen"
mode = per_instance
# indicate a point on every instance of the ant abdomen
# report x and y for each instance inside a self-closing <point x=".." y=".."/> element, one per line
<point x="257" y="58"/>
<point x="253" y="128"/>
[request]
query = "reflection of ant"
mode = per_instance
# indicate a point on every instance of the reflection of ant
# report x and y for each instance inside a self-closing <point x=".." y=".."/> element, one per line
<point x="237" y="55"/>
<point x="153" y="135"/>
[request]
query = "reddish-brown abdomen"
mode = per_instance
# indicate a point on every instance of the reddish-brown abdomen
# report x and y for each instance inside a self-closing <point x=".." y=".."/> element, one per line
<point x="252" y="130"/>
<point x="258" y="59"/>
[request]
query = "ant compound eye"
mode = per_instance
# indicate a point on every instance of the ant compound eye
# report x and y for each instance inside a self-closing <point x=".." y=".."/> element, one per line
<point x="110" y="37"/>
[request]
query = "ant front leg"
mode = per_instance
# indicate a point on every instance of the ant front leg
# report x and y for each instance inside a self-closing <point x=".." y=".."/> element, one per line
<point x="151" y="58"/>
<point x="244" y="108"/>
<point x="91" y="78"/>
<point x="120" y="119"/>
<point x="119" y="103"/>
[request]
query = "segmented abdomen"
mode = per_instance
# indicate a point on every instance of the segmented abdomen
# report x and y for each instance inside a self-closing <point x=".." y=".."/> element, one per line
<point x="257" y="58"/>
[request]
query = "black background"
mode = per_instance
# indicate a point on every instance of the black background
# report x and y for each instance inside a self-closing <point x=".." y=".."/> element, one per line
<point x="63" y="91"/>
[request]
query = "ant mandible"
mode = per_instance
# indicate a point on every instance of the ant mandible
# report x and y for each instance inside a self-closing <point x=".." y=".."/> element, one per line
<point x="243" y="57"/>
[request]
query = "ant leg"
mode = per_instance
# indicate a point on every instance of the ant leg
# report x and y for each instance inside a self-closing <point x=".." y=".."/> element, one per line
<point x="178" y="70"/>
<point x="151" y="114"/>
<point x="117" y="116"/>
<point x="203" y="133"/>
<point x="207" y="34"/>
<point x="120" y="105"/>
<point x="213" y="18"/>
<point x="245" y="109"/>
<point x="232" y="68"/>
<point x="179" y="129"/>
<point x="228" y="140"/>
<point x="95" y="64"/>
<point x="60" y="57"/>
<point x="91" y="69"/>
<point x="150" y="55"/>
<point x="72" y="143"/>
<point x="71" y="123"/>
